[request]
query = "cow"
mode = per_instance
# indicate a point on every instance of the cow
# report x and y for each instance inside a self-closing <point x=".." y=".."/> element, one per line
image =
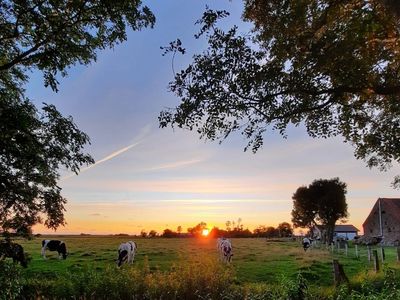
<point x="219" y="243"/>
<point x="54" y="245"/>
<point x="126" y="253"/>
<point x="306" y="243"/>
<point x="225" y="249"/>
<point x="14" y="251"/>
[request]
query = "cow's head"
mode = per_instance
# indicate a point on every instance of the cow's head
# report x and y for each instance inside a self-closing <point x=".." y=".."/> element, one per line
<point x="14" y="251"/>
<point x="20" y="256"/>
<point x="62" y="248"/>
<point x="122" y="257"/>
<point x="228" y="252"/>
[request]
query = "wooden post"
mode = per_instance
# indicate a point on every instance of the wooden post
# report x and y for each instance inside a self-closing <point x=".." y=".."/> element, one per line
<point x="346" y="248"/>
<point x="338" y="273"/>
<point x="369" y="253"/>
<point x="376" y="261"/>
<point x="398" y="254"/>
<point x="383" y="254"/>
<point x="357" y="254"/>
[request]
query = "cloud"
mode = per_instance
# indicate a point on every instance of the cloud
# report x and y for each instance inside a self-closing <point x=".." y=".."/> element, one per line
<point x="175" y="165"/>
<point x="139" y="139"/>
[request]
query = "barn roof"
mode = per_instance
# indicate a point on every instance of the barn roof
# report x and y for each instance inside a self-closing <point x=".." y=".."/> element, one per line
<point x="340" y="228"/>
<point x="389" y="205"/>
<point x="345" y="228"/>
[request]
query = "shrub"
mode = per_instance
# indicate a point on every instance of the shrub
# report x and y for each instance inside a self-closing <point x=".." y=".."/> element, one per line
<point x="10" y="283"/>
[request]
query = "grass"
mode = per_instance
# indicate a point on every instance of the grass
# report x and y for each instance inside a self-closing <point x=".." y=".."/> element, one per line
<point x="184" y="265"/>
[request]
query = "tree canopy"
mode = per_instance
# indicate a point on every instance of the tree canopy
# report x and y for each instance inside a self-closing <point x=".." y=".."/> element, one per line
<point x="48" y="36"/>
<point x="330" y="66"/>
<point x="322" y="202"/>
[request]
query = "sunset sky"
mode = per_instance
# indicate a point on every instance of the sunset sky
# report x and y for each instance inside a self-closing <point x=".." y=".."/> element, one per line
<point x="150" y="178"/>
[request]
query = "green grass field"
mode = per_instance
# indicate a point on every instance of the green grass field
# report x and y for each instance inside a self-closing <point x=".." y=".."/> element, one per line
<point x="190" y="269"/>
<point x="254" y="260"/>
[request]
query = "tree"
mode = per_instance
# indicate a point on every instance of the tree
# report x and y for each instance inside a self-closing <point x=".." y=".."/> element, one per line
<point x="215" y="232"/>
<point x="152" y="234"/>
<point x="48" y="36"/>
<point x="332" y="66"/>
<point x="271" y="232"/>
<point x="323" y="201"/>
<point x="285" y="229"/>
<point x="198" y="229"/>
<point x="179" y="229"/>
<point x="228" y="225"/>
<point x="168" y="233"/>
<point x="260" y="231"/>
<point x="52" y="35"/>
<point x="33" y="146"/>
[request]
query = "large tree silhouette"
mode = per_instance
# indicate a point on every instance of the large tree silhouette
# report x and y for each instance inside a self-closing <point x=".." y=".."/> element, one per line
<point x="322" y="202"/>
<point x="48" y="36"/>
<point x="331" y="66"/>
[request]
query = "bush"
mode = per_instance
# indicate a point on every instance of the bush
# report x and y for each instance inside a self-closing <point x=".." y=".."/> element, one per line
<point x="193" y="279"/>
<point x="10" y="283"/>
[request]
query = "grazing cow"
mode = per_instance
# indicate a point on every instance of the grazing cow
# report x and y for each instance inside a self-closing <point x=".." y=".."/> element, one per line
<point x="126" y="253"/>
<point x="225" y="249"/>
<point x="306" y="243"/>
<point x="54" y="245"/>
<point x="219" y="242"/>
<point x="14" y="251"/>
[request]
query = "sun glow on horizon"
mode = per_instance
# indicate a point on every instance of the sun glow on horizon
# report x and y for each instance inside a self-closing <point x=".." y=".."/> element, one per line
<point x="205" y="232"/>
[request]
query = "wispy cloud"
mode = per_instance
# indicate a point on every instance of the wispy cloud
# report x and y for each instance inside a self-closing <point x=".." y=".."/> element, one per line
<point x="204" y="201"/>
<point x="175" y="165"/>
<point x="138" y="140"/>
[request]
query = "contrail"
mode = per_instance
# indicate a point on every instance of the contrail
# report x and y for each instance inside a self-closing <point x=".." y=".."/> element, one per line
<point x="145" y="130"/>
<point x="112" y="155"/>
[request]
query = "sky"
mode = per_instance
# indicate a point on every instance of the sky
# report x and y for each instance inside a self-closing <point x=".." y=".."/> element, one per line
<point x="147" y="178"/>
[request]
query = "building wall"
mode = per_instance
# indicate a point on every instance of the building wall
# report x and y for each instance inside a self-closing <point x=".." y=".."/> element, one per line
<point x="346" y="235"/>
<point x="390" y="227"/>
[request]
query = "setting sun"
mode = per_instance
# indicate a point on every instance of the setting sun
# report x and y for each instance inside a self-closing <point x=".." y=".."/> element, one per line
<point x="205" y="232"/>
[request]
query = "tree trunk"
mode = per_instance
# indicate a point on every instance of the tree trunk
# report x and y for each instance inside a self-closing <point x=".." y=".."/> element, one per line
<point x="329" y="232"/>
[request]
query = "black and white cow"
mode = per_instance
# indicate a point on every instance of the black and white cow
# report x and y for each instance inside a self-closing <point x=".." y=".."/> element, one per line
<point x="306" y="243"/>
<point x="126" y="253"/>
<point x="225" y="249"/>
<point x="54" y="245"/>
<point x="14" y="251"/>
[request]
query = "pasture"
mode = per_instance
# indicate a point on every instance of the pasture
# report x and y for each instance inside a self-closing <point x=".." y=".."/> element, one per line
<point x="255" y="261"/>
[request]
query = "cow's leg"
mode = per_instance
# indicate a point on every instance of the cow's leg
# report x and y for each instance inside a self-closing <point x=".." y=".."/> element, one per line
<point x="44" y="252"/>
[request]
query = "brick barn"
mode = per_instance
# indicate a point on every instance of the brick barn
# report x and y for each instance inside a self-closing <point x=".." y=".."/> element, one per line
<point x="384" y="221"/>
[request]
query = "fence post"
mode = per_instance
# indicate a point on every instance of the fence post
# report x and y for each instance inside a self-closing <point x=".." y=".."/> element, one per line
<point x="338" y="273"/>
<point x="383" y="254"/>
<point x="376" y="261"/>
<point x="357" y="255"/>
<point x="346" y="248"/>
<point x="369" y="253"/>
<point x="398" y="254"/>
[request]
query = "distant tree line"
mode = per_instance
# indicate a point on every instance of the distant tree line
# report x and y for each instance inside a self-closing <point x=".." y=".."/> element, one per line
<point x="233" y="230"/>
